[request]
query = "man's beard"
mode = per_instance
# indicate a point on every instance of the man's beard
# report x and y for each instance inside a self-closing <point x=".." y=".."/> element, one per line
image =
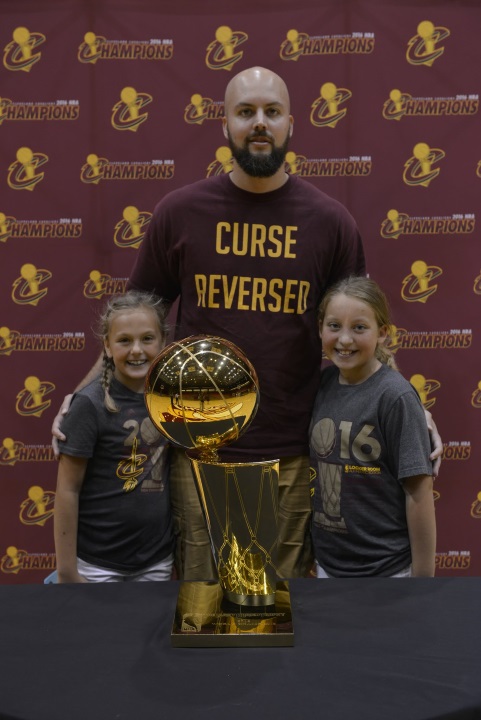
<point x="259" y="165"/>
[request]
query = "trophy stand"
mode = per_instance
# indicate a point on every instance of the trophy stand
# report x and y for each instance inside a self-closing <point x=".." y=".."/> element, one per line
<point x="201" y="393"/>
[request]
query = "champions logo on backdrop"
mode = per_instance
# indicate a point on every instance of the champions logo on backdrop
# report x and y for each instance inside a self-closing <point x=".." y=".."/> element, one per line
<point x="424" y="47"/>
<point x="203" y="108"/>
<point x="418" y="285"/>
<point x="418" y="170"/>
<point x="353" y="166"/>
<point x="13" y="451"/>
<point x="97" y="47"/>
<point x="37" y="507"/>
<point x="402" y="339"/>
<point x="100" y="284"/>
<point x="62" y="228"/>
<point x="453" y="560"/>
<point x="127" y="113"/>
<point x="31" y="398"/>
<point x="457" y="450"/>
<point x="299" y="44"/>
<point x="15" y="560"/>
<point x="27" y="289"/>
<point x="397" y="223"/>
<point x="12" y="340"/>
<point x="326" y="110"/>
<point x="130" y="231"/>
<point x="476" y="396"/>
<point x="403" y="104"/>
<point x="23" y="173"/>
<point x="19" y="111"/>
<point x="97" y="168"/>
<point x="21" y="53"/>
<point x="425" y="389"/>
<point x="223" y="53"/>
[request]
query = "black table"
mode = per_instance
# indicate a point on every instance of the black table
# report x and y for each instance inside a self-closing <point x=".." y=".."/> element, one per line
<point x="380" y="649"/>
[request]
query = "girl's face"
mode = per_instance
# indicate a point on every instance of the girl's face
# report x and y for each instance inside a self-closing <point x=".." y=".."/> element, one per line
<point x="350" y="335"/>
<point x="133" y="341"/>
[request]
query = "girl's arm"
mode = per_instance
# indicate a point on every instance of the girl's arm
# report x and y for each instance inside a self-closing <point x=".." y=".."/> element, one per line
<point x="421" y="524"/>
<point x="71" y="473"/>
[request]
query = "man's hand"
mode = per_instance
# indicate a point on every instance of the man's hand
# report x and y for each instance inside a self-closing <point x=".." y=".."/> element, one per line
<point x="436" y="443"/>
<point x="57" y="423"/>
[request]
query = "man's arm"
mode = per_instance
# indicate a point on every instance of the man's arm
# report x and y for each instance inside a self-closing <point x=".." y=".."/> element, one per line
<point x="57" y="421"/>
<point x="436" y="443"/>
<point x="421" y="524"/>
<point x="71" y="473"/>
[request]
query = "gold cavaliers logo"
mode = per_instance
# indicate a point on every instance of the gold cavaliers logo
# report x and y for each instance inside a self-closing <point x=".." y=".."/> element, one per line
<point x="13" y="451"/>
<point x="37" y="508"/>
<point x="38" y="111"/>
<point x="27" y="289"/>
<point x="16" y="559"/>
<point x="130" y="231"/>
<point x="21" y="53"/>
<point x="6" y="222"/>
<point x="326" y="110"/>
<point x="424" y="47"/>
<point x="223" y="162"/>
<point x="98" y="168"/>
<point x="97" y="47"/>
<point x="62" y="228"/>
<point x="403" y="104"/>
<point x="223" y="53"/>
<point x="23" y="173"/>
<point x="203" y="108"/>
<point x="417" y="286"/>
<point x="418" y="170"/>
<point x="425" y="389"/>
<point x="477" y="284"/>
<point x="298" y="44"/>
<point x="127" y="113"/>
<point x="353" y="166"/>
<point x="398" y="223"/>
<point x="129" y="469"/>
<point x="476" y="507"/>
<point x="31" y="400"/>
<point x="100" y="284"/>
<point x="476" y="396"/>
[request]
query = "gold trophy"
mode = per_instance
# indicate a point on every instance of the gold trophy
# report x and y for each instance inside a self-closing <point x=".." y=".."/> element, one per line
<point x="201" y="394"/>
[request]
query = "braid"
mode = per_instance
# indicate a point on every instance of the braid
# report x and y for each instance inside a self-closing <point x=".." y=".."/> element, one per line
<point x="385" y="355"/>
<point x="107" y="375"/>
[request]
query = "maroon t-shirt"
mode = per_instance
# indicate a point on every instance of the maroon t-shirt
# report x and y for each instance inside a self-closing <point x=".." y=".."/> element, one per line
<point x="252" y="268"/>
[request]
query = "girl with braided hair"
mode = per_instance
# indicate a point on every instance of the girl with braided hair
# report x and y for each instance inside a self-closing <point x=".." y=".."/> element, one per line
<point x="373" y="488"/>
<point x="112" y="513"/>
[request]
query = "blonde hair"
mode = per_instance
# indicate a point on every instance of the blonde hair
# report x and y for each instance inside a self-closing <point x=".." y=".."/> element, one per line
<point x="369" y="292"/>
<point x="131" y="300"/>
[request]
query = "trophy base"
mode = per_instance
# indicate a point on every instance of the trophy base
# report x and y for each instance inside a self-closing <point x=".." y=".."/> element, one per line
<point x="204" y="617"/>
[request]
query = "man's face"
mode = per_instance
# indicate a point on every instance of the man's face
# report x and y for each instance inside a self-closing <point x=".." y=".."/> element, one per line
<point x="257" y="122"/>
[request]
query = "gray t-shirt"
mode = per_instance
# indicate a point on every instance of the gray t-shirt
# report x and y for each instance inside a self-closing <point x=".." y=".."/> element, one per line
<point x="124" y="511"/>
<point x="365" y="439"/>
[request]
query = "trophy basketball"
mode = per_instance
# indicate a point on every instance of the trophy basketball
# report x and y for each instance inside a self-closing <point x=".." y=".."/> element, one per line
<point x="202" y="393"/>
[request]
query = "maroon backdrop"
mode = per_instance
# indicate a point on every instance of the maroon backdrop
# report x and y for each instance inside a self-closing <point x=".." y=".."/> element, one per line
<point x="105" y="106"/>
